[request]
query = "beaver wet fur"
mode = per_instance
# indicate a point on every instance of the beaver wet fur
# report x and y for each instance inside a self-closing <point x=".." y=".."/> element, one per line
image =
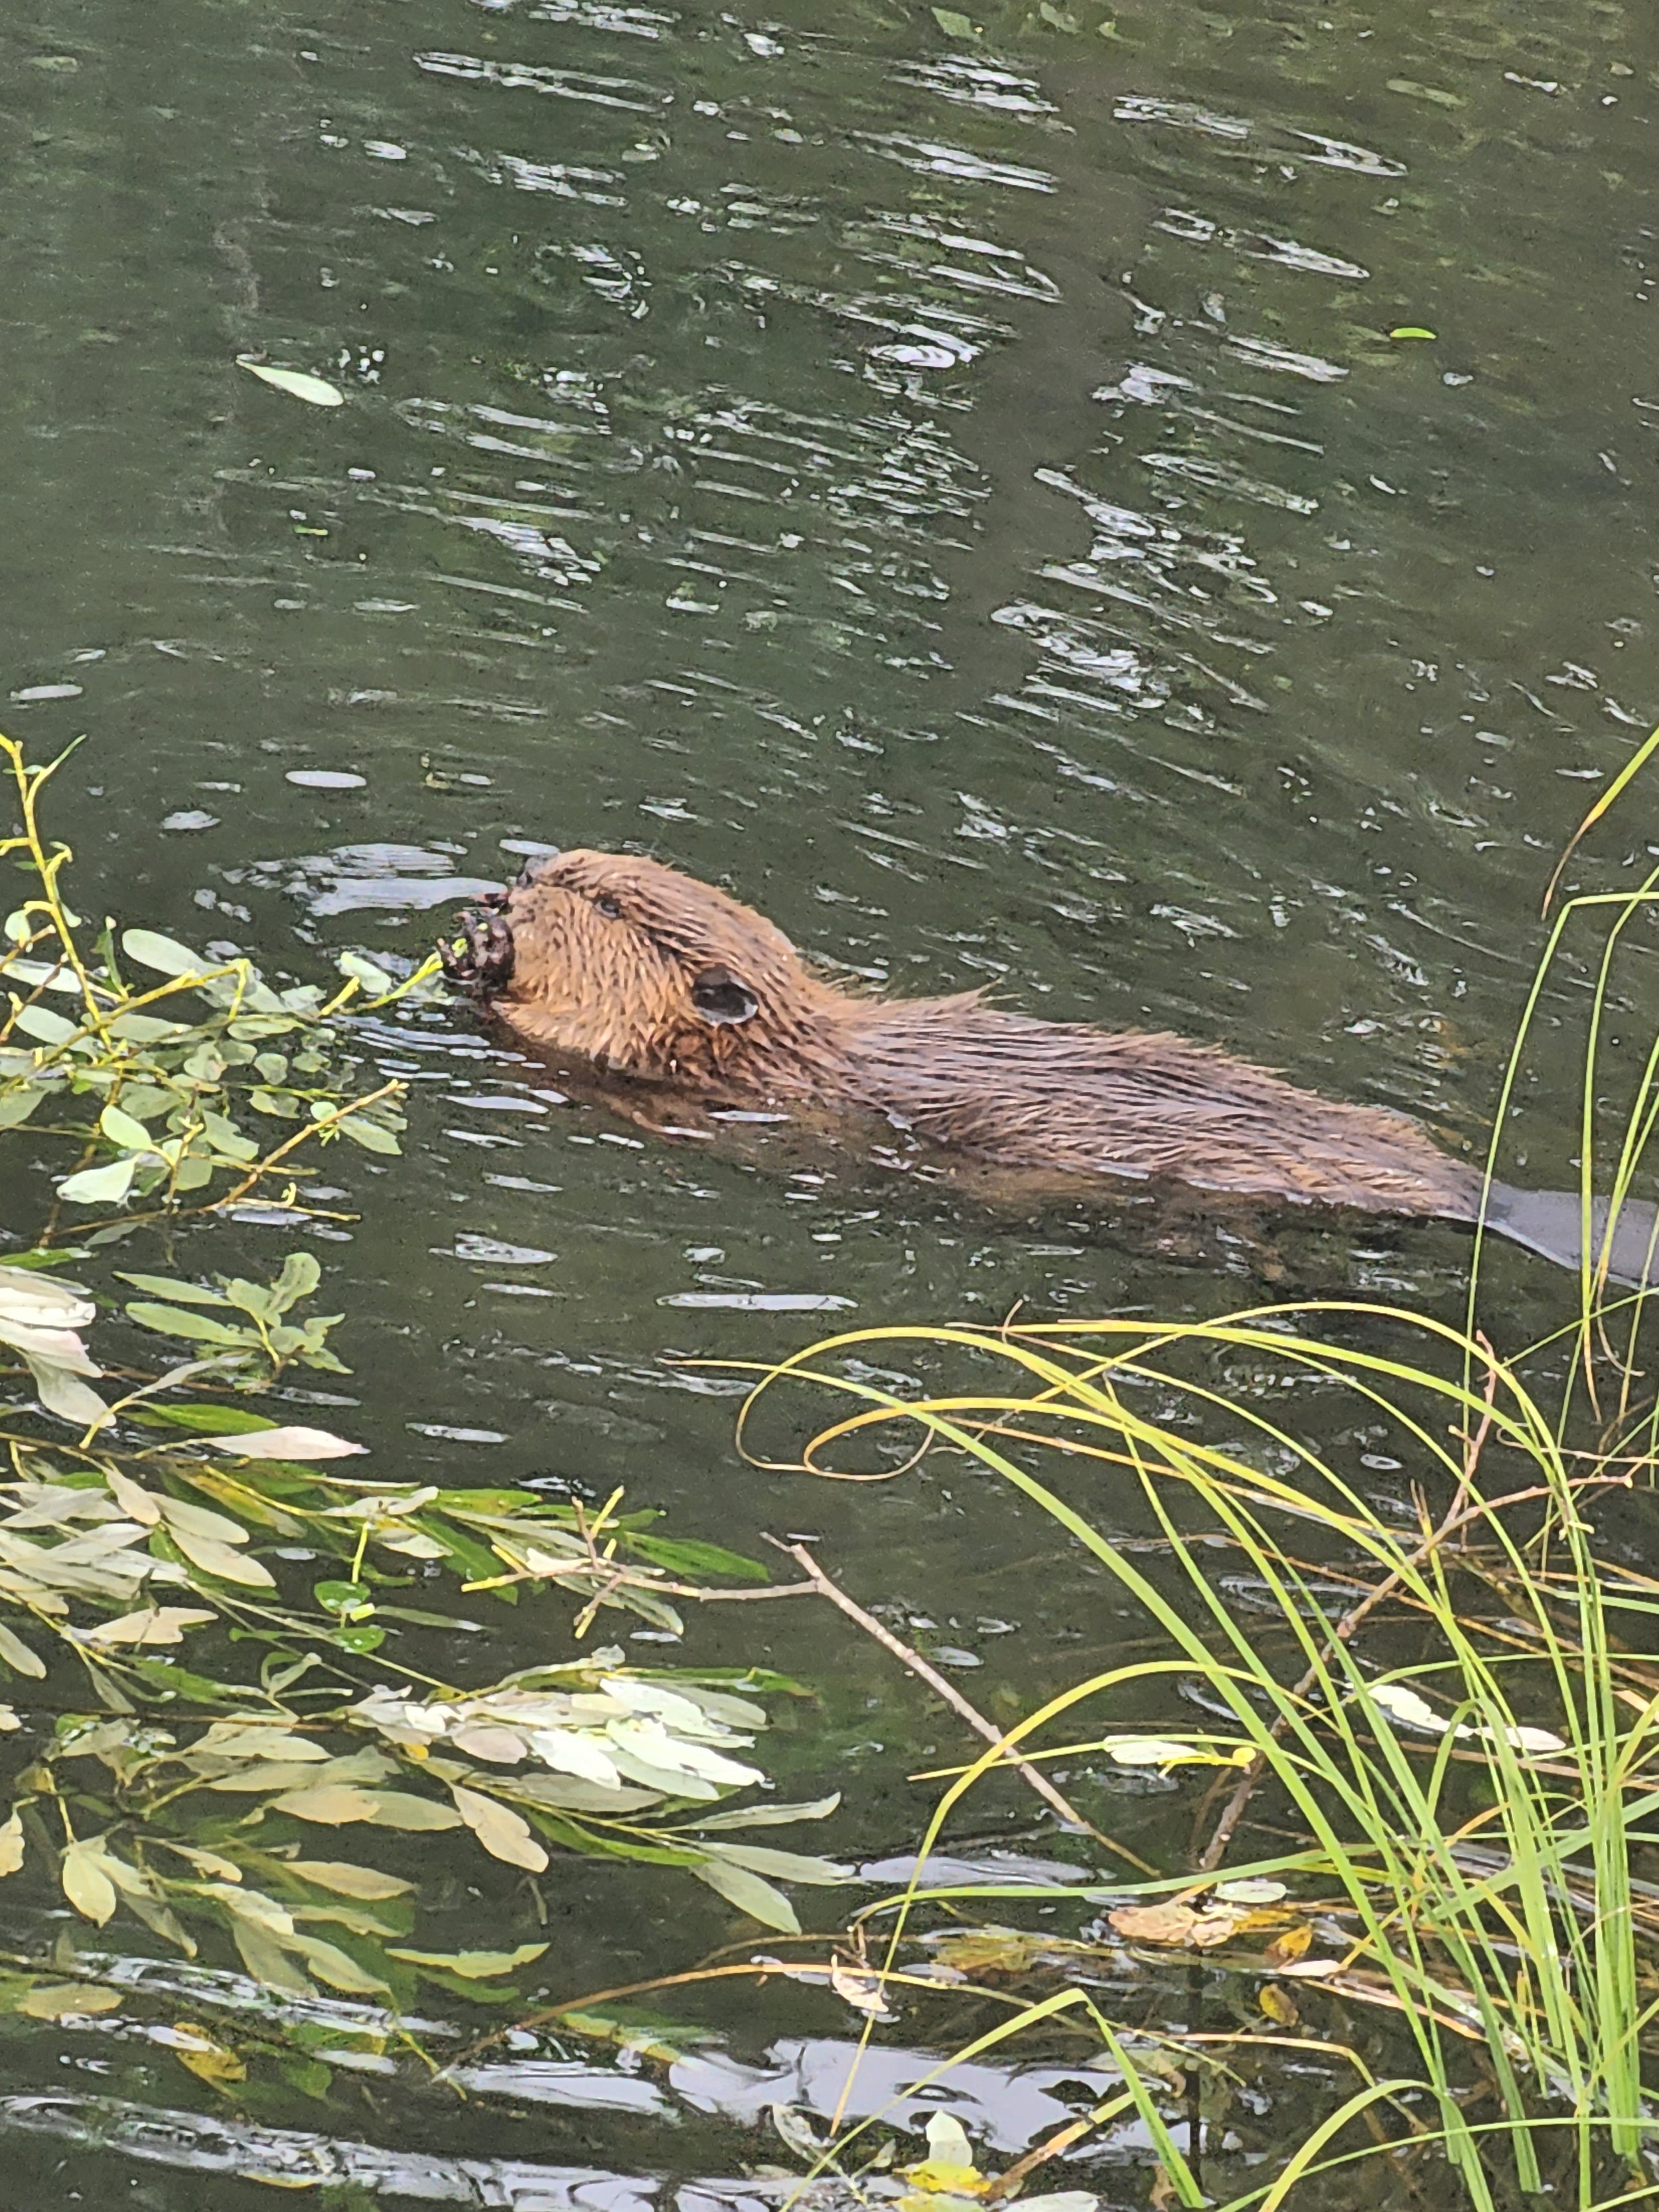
<point x="652" y="975"/>
<point x="657" y="978"/>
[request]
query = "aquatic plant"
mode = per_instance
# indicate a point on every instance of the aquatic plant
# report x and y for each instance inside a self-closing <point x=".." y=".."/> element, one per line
<point x="157" y="1087"/>
<point x="1449" y="1844"/>
<point x="192" y="1592"/>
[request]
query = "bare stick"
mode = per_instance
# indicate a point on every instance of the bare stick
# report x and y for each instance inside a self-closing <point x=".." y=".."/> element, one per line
<point x="948" y="1691"/>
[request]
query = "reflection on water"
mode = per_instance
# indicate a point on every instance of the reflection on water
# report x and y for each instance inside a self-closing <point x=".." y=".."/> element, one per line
<point x="961" y="493"/>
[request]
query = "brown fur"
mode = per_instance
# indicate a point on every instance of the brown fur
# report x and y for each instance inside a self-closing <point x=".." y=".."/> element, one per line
<point x="656" y="977"/>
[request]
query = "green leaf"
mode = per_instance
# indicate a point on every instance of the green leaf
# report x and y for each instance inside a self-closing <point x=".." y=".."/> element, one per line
<point x="205" y="1419"/>
<point x="784" y="1866"/>
<point x="369" y="1134"/>
<point x="374" y="980"/>
<point x="184" y="1294"/>
<point x="738" y="1887"/>
<point x="41" y="1022"/>
<point x="151" y="950"/>
<point x="16" y="1106"/>
<point x="295" y="382"/>
<point x="768" y="1816"/>
<point x="105" y="1186"/>
<point x="301" y="1275"/>
<point x="227" y="1138"/>
<point x="692" y="1558"/>
<point x="251" y="1298"/>
<point x="147" y="1029"/>
<point x="342" y="1597"/>
<point x="357" y="1636"/>
<point x="122" y="1129"/>
<point x="953" y="24"/>
<point x="170" y="1321"/>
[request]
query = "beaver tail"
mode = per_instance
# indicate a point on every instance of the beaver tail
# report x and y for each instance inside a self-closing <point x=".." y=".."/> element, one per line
<point x="1551" y="1224"/>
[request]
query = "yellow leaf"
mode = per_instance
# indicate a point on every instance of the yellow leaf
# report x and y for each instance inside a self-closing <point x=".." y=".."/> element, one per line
<point x="59" y="2000"/>
<point x="181" y="1516"/>
<point x="330" y="1803"/>
<point x="470" y="1965"/>
<point x="503" y="1832"/>
<point x="216" y="1558"/>
<point x="1277" y="2003"/>
<point x="861" y="1991"/>
<point x="1154" y="1923"/>
<point x="153" y="1624"/>
<point x="936" y="2177"/>
<point x="208" y="2061"/>
<point x="1292" y="1943"/>
<point x="337" y="1968"/>
<point x="11" y="1845"/>
<point x="135" y="1501"/>
<point x="348" y="1880"/>
<point x="87" y="1885"/>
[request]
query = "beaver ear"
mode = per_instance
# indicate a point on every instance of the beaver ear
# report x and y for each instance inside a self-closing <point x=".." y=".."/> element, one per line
<point x="719" y="997"/>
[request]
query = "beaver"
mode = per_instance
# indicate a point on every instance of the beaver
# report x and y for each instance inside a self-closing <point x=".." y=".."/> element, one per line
<point x="653" y="976"/>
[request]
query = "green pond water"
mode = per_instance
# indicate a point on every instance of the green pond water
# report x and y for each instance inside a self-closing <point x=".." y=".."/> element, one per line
<point x="962" y="494"/>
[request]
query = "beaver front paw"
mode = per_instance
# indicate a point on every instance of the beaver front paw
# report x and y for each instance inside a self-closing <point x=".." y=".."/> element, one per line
<point x="481" y="962"/>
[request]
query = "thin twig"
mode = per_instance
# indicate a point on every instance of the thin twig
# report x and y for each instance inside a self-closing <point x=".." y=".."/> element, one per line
<point x="1455" y="1515"/>
<point x="948" y="1691"/>
<point x="262" y="1168"/>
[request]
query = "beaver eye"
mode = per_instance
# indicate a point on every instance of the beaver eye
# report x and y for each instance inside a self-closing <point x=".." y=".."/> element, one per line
<point x="608" y="907"/>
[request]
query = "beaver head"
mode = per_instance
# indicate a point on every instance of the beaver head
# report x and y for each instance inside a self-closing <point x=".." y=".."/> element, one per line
<point x="647" y="972"/>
